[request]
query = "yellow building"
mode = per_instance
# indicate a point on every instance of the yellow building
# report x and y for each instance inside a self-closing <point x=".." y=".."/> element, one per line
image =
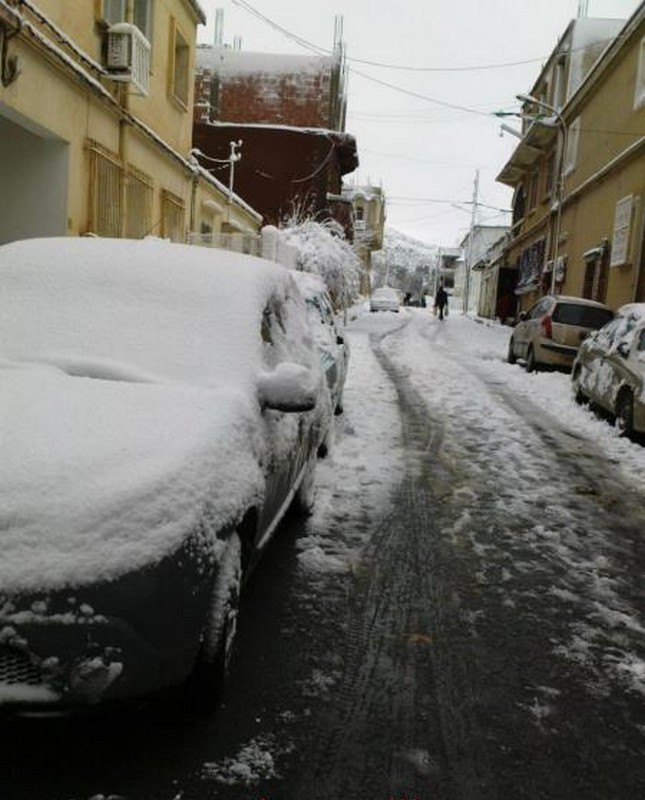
<point x="579" y="169"/>
<point x="96" y="123"/>
<point x="369" y="215"/>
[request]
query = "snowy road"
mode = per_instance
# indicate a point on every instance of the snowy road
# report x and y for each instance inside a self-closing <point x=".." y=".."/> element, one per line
<point x="462" y="617"/>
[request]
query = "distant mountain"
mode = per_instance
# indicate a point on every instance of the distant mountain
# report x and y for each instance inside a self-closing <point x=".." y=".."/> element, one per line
<point x="404" y="262"/>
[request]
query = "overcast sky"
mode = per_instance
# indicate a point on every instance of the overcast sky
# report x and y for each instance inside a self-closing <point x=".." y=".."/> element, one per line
<point x="435" y="55"/>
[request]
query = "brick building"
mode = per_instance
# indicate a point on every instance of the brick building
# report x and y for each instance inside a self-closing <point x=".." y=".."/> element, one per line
<point x="288" y="112"/>
<point x="265" y="88"/>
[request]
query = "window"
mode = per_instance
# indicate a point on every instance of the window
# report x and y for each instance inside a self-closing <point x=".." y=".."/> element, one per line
<point x="639" y="95"/>
<point x="622" y="227"/>
<point x="581" y="315"/>
<point x="173" y="212"/>
<point x="534" y="182"/>
<point x="595" y="279"/>
<point x="106" y="195"/>
<point x="573" y="143"/>
<point x="115" y="11"/>
<point x="139" y="190"/>
<point x="549" y="180"/>
<point x="518" y="205"/>
<point x="559" y="93"/>
<point x="180" y="76"/>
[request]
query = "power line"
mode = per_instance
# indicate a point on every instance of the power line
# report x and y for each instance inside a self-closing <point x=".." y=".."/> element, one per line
<point x="321" y="51"/>
<point x="384" y="65"/>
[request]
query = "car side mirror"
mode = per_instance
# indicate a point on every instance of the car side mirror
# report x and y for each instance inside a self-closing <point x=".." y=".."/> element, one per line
<point x="522" y="316"/>
<point x="289" y="387"/>
<point x="623" y="349"/>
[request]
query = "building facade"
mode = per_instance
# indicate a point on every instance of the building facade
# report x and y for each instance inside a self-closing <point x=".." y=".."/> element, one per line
<point x="475" y="247"/>
<point x="96" y="109"/>
<point x="576" y="163"/>
<point x="368" y="210"/>
<point x="270" y="89"/>
<point x="286" y="115"/>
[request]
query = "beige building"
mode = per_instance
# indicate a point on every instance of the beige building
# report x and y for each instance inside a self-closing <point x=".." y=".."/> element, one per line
<point x="579" y="169"/>
<point x="96" y="123"/>
<point x="369" y="215"/>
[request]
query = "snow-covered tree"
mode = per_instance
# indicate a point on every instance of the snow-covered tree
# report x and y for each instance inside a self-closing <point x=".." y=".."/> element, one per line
<point x="323" y="249"/>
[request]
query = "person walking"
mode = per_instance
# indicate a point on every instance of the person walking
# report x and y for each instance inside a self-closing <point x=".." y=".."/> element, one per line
<point x="441" y="302"/>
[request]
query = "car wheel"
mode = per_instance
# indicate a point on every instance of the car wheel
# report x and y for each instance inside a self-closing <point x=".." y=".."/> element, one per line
<point x="511" y="357"/>
<point x="625" y="414"/>
<point x="213" y="661"/>
<point x="339" y="406"/>
<point x="579" y="396"/>
<point x="531" y="363"/>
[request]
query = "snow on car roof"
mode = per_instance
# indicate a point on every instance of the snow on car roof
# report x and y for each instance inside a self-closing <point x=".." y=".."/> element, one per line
<point x="121" y="305"/>
<point x="128" y="404"/>
<point x="634" y="310"/>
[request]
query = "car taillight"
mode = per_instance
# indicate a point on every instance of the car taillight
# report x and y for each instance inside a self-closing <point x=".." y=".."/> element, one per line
<point x="545" y="322"/>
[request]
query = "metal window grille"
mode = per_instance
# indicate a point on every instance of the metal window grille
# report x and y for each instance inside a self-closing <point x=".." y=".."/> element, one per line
<point x="173" y="214"/>
<point x="106" y="192"/>
<point x="139" y="194"/>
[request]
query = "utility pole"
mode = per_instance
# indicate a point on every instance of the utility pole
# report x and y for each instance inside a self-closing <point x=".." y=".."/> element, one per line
<point x="471" y="236"/>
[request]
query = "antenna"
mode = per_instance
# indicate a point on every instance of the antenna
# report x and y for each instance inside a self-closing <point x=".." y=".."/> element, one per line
<point x="219" y="27"/>
<point x="583" y="9"/>
<point x="338" y="32"/>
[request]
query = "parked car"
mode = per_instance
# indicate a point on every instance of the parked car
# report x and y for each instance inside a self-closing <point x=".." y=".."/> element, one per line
<point x="609" y="370"/>
<point x="332" y="346"/>
<point x="161" y="406"/>
<point x="385" y="299"/>
<point x="550" y="332"/>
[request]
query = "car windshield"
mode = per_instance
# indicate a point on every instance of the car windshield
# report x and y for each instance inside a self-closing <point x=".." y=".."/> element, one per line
<point x="581" y="315"/>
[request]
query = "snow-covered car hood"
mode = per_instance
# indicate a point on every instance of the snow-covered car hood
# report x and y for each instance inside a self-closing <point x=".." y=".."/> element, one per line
<point x="100" y="477"/>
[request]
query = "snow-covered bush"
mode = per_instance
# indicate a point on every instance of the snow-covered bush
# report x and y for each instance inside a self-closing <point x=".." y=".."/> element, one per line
<point x="323" y="249"/>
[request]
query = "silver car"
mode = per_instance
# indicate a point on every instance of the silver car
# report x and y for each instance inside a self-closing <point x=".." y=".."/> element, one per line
<point x="550" y="332"/>
<point x="609" y="370"/>
<point x="385" y="299"/>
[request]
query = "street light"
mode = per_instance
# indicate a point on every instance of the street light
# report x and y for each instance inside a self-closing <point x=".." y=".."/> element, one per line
<point x="559" y="120"/>
<point x="233" y="158"/>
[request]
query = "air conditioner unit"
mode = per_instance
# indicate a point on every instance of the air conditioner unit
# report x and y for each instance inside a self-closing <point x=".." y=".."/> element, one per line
<point x="127" y="55"/>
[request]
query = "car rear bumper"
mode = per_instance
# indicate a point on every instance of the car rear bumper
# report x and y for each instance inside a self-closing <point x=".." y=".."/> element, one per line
<point x="557" y="354"/>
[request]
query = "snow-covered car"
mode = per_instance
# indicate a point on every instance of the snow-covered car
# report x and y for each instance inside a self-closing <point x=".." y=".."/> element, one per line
<point x="609" y="370"/>
<point x="385" y="299"/>
<point x="161" y="406"/>
<point x="550" y="332"/>
<point x="332" y="346"/>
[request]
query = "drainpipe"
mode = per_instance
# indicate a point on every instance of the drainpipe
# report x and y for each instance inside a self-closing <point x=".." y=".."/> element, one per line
<point x="123" y="99"/>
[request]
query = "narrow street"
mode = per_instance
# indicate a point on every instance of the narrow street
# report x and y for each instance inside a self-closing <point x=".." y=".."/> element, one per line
<point x="462" y="617"/>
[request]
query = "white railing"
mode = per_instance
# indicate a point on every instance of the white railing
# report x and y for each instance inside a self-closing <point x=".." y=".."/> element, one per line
<point x="249" y="243"/>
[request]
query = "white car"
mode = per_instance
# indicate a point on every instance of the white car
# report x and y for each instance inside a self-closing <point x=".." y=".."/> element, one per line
<point x="161" y="406"/>
<point x="609" y="370"/>
<point x="385" y="299"/>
